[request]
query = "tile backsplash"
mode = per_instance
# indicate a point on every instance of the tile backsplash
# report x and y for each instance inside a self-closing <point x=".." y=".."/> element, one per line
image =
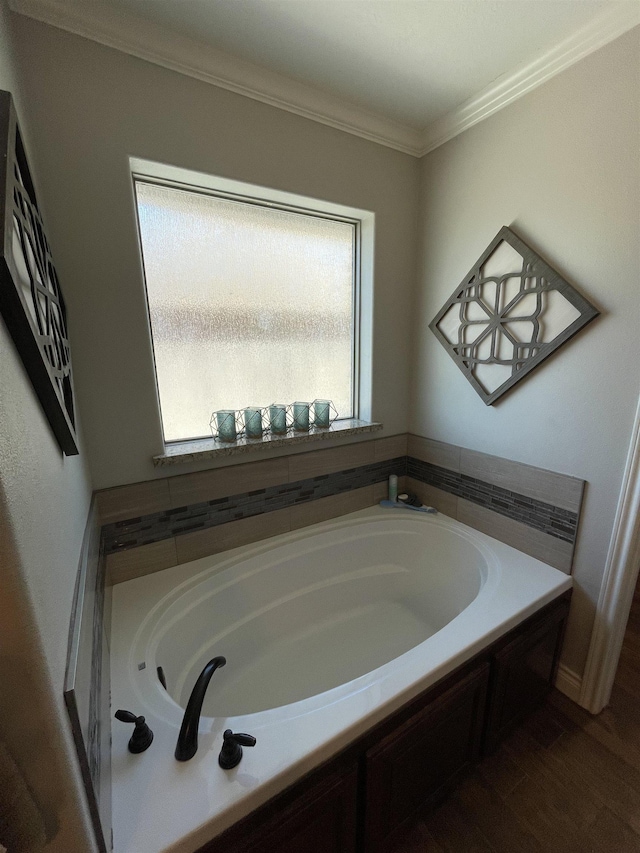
<point x="551" y="519"/>
<point x="131" y="533"/>
<point x="532" y="509"/>
<point x="149" y="526"/>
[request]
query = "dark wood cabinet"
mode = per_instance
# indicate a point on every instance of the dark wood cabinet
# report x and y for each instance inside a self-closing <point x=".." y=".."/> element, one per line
<point x="523" y="669"/>
<point x="321" y="819"/>
<point x="360" y="800"/>
<point x="416" y="765"/>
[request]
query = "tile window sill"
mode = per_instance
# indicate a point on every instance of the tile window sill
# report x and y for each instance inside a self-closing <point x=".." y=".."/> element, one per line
<point x="208" y="448"/>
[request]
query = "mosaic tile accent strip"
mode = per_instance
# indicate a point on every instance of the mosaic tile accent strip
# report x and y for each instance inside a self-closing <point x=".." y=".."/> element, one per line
<point x="555" y="521"/>
<point x="86" y="688"/>
<point x="133" y="532"/>
<point x="95" y="723"/>
<point x="143" y="530"/>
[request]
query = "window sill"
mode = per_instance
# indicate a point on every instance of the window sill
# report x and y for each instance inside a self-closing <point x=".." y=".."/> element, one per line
<point x="209" y="448"/>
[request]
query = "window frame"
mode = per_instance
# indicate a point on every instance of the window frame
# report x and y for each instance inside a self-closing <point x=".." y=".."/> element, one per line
<point x="146" y="172"/>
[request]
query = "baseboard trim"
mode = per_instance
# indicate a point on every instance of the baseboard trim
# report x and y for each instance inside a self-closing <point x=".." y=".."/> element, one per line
<point x="569" y="683"/>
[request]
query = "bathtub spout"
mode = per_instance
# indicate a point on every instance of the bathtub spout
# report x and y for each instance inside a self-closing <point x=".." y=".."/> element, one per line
<point x="187" y="745"/>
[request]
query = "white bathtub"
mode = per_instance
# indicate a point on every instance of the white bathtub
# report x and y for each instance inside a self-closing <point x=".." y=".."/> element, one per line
<point x="325" y="631"/>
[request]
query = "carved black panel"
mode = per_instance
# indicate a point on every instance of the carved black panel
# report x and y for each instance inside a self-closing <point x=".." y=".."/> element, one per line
<point x="509" y="313"/>
<point x="31" y="301"/>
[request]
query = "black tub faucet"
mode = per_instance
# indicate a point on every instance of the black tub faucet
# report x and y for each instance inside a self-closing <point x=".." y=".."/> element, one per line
<point x="187" y="745"/>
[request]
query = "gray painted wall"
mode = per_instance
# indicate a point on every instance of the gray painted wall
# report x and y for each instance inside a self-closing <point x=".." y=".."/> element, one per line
<point x="561" y="166"/>
<point x="93" y="108"/>
<point x="44" y="500"/>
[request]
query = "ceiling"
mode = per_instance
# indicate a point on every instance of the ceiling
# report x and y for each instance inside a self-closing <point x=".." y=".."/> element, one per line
<point x="411" y="72"/>
<point x="409" y="60"/>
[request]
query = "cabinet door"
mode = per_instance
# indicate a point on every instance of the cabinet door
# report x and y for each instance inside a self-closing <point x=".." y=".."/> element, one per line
<point x="523" y="672"/>
<point x="416" y="764"/>
<point x="322" y="820"/>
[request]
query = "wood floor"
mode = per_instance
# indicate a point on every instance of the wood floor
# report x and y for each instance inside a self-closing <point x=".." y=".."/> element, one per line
<point x="564" y="782"/>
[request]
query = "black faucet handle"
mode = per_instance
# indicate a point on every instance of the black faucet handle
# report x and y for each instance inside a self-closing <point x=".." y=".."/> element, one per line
<point x="126" y="717"/>
<point x="142" y="735"/>
<point x="239" y="737"/>
<point x="231" y="752"/>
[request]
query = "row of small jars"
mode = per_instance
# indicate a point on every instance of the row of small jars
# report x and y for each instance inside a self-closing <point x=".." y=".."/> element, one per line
<point x="227" y="424"/>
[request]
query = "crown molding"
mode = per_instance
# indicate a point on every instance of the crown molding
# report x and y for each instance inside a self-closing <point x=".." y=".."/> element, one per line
<point x="144" y="39"/>
<point x="604" y="28"/>
<point x="128" y="33"/>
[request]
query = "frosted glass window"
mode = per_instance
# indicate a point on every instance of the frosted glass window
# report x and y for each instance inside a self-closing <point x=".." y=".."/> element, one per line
<point x="249" y="305"/>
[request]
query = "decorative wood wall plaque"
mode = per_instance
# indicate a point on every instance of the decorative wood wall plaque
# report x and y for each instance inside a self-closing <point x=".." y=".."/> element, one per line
<point x="31" y="301"/>
<point x="509" y="313"/>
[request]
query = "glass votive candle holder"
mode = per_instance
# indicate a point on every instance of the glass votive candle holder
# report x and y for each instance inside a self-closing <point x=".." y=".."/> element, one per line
<point x="301" y="416"/>
<point x="278" y="418"/>
<point x="226" y="422"/>
<point x="321" y="413"/>
<point x="253" y="422"/>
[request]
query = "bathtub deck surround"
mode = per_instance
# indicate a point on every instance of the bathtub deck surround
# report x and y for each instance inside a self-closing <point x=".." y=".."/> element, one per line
<point x="445" y="476"/>
<point x="157" y="524"/>
<point x="160" y="804"/>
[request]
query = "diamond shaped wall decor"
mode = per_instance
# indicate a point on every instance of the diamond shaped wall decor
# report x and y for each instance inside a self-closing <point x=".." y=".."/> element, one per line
<point x="509" y="313"/>
<point x="31" y="300"/>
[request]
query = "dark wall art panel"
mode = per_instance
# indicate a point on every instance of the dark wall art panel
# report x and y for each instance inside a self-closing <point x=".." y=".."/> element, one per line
<point x="31" y="301"/>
